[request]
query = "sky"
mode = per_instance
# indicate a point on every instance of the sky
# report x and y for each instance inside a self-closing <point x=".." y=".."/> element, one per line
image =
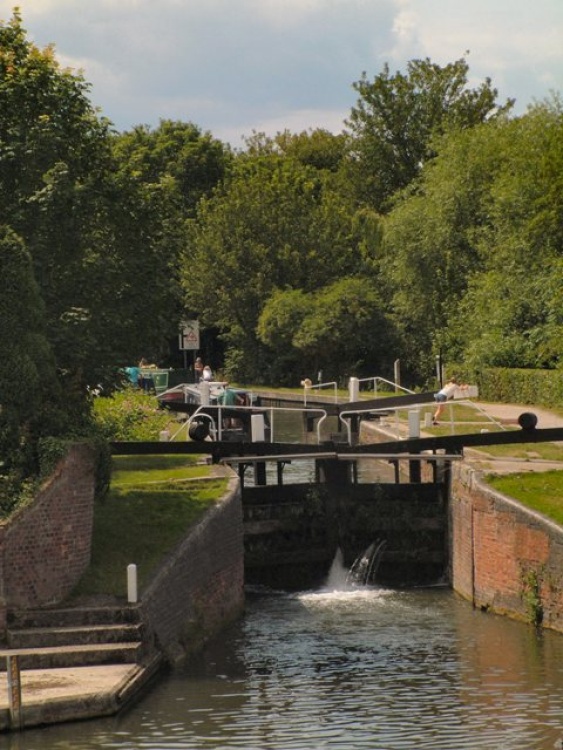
<point x="234" y="67"/>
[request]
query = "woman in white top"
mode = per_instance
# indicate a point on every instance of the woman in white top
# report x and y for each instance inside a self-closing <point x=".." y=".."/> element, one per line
<point x="443" y="395"/>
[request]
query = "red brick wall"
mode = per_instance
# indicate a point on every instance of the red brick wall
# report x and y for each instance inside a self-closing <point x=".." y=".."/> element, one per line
<point x="45" y="546"/>
<point x="504" y="557"/>
<point x="199" y="588"/>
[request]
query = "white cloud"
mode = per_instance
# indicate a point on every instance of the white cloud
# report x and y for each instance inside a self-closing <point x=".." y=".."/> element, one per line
<point x="243" y="65"/>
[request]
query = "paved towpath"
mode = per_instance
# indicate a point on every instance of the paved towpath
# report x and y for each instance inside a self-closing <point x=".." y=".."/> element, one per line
<point x="508" y="414"/>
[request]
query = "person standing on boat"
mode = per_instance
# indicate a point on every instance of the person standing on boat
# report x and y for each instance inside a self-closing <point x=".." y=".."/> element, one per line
<point x="207" y="374"/>
<point x="230" y="397"/>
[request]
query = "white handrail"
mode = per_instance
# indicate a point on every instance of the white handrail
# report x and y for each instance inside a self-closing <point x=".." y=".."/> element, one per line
<point x="376" y="379"/>
<point x="345" y="416"/>
<point x="217" y="426"/>
<point x="332" y="384"/>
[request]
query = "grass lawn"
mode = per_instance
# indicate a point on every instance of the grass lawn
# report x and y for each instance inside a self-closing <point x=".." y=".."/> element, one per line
<point x="542" y="491"/>
<point x="152" y="501"/>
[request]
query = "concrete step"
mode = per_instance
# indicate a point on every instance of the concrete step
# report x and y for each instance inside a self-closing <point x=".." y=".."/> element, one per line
<point x="73" y="616"/>
<point x="61" y="657"/>
<point x="48" y="637"/>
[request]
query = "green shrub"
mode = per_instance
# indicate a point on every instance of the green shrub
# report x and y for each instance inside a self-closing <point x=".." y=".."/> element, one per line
<point x="517" y="385"/>
<point x="131" y="415"/>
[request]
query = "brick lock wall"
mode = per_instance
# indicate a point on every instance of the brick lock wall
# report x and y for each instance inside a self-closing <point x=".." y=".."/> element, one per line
<point x="45" y="546"/>
<point x="504" y="557"/>
<point x="200" y="587"/>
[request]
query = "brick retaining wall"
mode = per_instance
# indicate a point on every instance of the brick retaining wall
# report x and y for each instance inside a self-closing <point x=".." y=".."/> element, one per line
<point x="504" y="557"/>
<point x="200" y="587"/>
<point x="45" y="546"/>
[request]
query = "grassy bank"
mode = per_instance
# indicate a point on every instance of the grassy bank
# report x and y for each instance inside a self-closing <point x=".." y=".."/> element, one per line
<point x="541" y="491"/>
<point x="153" y="501"/>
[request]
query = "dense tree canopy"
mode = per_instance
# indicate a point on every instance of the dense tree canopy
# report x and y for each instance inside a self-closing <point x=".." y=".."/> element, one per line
<point x="274" y="225"/>
<point x="101" y="214"/>
<point x="397" y="118"/>
<point x="474" y="254"/>
<point x="432" y="224"/>
<point x="31" y="403"/>
<point x="341" y="329"/>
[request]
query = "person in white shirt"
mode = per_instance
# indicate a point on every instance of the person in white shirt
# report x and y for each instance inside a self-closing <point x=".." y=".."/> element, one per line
<point x="445" y="394"/>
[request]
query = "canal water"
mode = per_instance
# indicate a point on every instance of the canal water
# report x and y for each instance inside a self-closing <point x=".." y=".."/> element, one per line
<point x="346" y="667"/>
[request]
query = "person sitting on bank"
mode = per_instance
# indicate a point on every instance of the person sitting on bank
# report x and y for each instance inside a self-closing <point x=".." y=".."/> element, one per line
<point x="445" y="393"/>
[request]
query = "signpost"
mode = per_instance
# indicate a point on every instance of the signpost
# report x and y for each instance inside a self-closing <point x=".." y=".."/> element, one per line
<point x="188" y="339"/>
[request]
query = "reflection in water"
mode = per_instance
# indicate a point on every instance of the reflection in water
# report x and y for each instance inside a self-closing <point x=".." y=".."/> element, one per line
<point x="356" y="668"/>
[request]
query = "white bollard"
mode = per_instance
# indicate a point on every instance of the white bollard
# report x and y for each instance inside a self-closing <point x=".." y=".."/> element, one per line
<point x="164" y="436"/>
<point x="257" y="428"/>
<point x="428" y="419"/>
<point x="132" y="583"/>
<point x="354" y="389"/>
<point x="414" y="423"/>
<point x="205" y="393"/>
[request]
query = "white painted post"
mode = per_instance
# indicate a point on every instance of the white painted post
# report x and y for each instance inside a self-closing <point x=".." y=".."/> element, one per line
<point x="354" y="389"/>
<point x="414" y="423"/>
<point x="205" y="392"/>
<point x="132" y="583"/>
<point x="257" y="428"/>
<point x="164" y="436"/>
<point x="397" y="374"/>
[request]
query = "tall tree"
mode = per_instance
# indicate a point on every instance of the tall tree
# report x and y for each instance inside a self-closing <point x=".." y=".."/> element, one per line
<point x="397" y="118"/>
<point x="30" y="395"/>
<point x="474" y="255"/>
<point x="341" y="329"/>
<point x="53" y="155"/>
<point x="512" y="315"/>
<point x="101" y="216"/>
<point x="274" y="225"/>
<point x="177" y="155"/>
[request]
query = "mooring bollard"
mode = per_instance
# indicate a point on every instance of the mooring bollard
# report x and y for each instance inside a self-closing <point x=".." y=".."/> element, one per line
<point x="414" y="423"/>
<point x="354" y="389"/>
<point x="258" y="428"/>
<point x="132" y="583"/>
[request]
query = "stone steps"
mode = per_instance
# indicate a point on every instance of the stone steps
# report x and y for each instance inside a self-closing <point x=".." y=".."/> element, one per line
<point x="55" y="638"/>
<point x="72" y="635"/>
<point x="62" y="657"/>
<point x="69" y="616"/>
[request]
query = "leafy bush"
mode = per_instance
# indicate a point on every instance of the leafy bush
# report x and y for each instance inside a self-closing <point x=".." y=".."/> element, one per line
<point x="517" y="385"/>
<point x="129" y="415"/>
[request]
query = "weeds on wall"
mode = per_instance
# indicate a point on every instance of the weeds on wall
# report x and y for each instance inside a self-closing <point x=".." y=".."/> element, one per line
<point x="531" y="595"/>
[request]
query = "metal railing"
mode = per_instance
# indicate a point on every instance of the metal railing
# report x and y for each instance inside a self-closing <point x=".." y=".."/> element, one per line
<point x="375" y="380"/>
<point x="346" y="416"/>
<point x="332" y="384"/>
<point x="216" y="421"/>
